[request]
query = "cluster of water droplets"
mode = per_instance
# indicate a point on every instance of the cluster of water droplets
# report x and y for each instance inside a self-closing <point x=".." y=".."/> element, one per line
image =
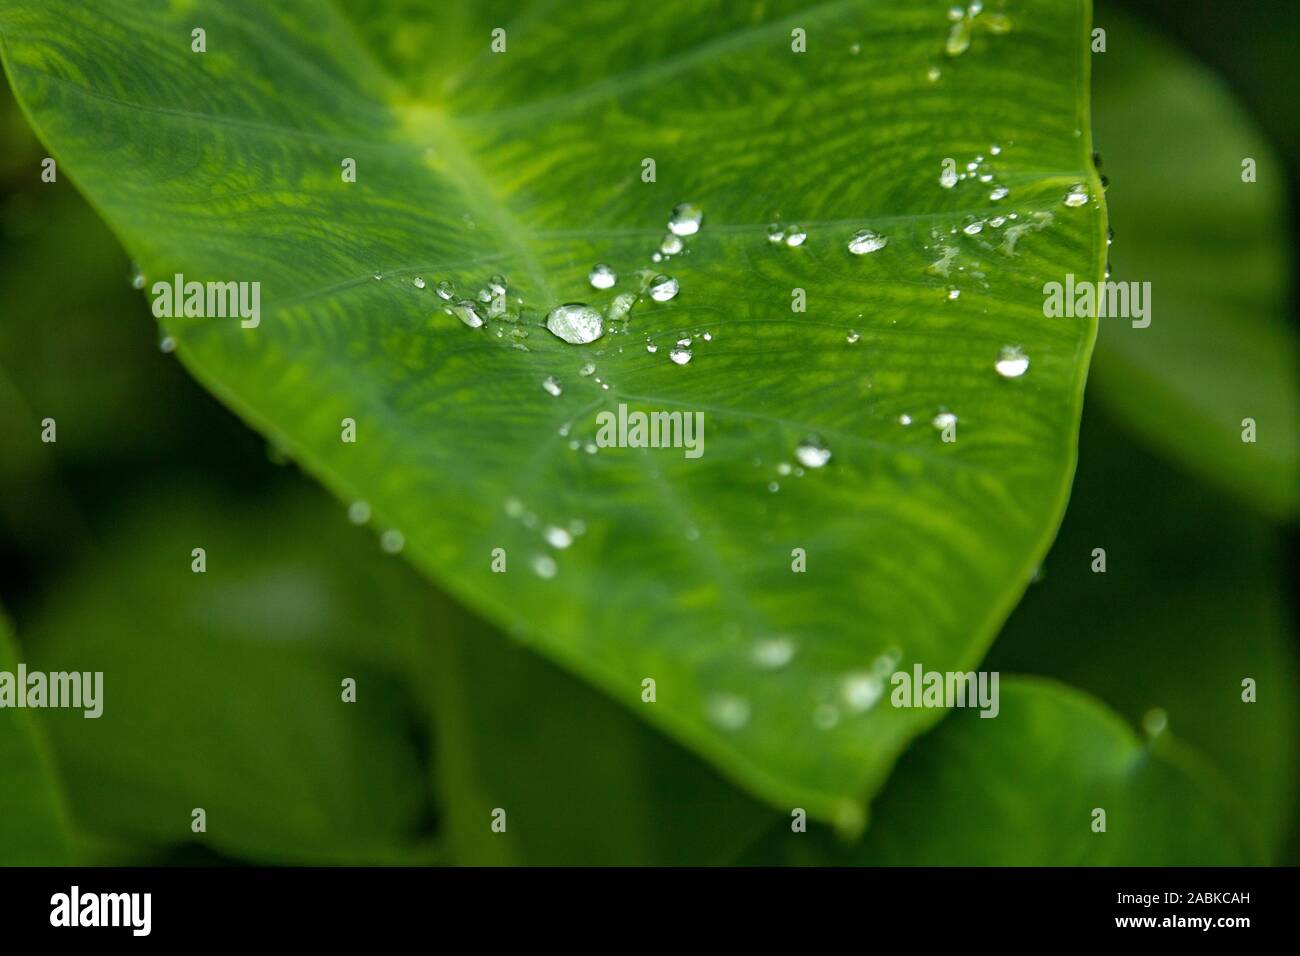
<point x="555" y="537"/>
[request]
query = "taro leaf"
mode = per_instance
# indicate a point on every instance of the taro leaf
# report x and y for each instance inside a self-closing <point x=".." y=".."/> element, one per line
<point x="222" y="690"/>
<point x="33" y="821"/>
<point x="227" y="166"/>
<point x="1221" y="346"/>
<point x="1021" y="789"/>
<point x="1190" y="605"/>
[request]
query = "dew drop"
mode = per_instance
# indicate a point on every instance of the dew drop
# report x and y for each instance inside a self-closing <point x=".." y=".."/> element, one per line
<point x="444" y="289"/>
<point x="557" y="537"/>
<point x="467" y="312"/>
<point x="359" y="512"/>
<point x="1002" y="192"/>
<point x="948" y="178"/>
<point x="167" y="345"/>
<point x="671" y="245"/>
<point x="853" y="337"/>
<point x="418" y="282"/>
<point x="680" y="356"/>
<point x="1077" y="196"/>
<point x="551" y="386"/>
<point x="137" y="277"/>
<point x="812" y="453"/>
<point x="728" y="711"/>
<point x="392" y="541"/>
<point x="773" y="653"/>
<point x="795" y="237"/>
<point x="575" y="323"/>
<point x="663" y="288"/>
<point x="1155" y="721"/>
<point x="1012" y="362"/>
<point x="544" y="566"/>
<point x="973" y="228"/>
<point x="905" y="419"/>
<point x="775" y="233"/>
<point x="497" y="285"/>
<point x="621" y="307"/>
<point x="601" y="276"/>
<point x="861" y="691"/>
<point x="586" y="370"/>
<point x="685" y="220"/>
<point x="943" y="420"/>
<point x="866" y="240"/>
<point x="826" y="716"/>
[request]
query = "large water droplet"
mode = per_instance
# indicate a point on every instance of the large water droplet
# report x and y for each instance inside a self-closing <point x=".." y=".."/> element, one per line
<point x="866" y="240"/>
<point x="601" y="276"/>
<point x="948" y="178"/>
<point x="685" y="220"/>
<point x="575" y="323"/>
<point x="680" y="356"/>
<point x="445" y="289"/>
<point x="812" y="453"/>
<point x="1012" y="362"/>
<point x="663" y="288"/>
<point x="795" y="237"/>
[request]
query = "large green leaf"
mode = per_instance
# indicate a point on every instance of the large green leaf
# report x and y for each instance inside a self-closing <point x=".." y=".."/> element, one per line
<point x="33" y="821"/>
<point x="1221" y="346"/>
<point x="1022" y="790"/>
<point x="1190" y="604"/>
<point x="225" y="165"/>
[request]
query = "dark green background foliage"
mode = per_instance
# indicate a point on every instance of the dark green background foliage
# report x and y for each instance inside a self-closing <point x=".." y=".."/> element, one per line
<point x="478" y="691"/>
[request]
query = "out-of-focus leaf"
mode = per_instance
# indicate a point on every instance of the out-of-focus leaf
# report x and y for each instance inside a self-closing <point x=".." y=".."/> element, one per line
<point x="1221" y="346"/>
<point x="1190" y="605"/>
<point x="581" y="780"/>
<point x="1021" y="789"/>
<point x="33" y="821"/>
<point x="223" y="690"/>
<point x="225" y="165"/>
